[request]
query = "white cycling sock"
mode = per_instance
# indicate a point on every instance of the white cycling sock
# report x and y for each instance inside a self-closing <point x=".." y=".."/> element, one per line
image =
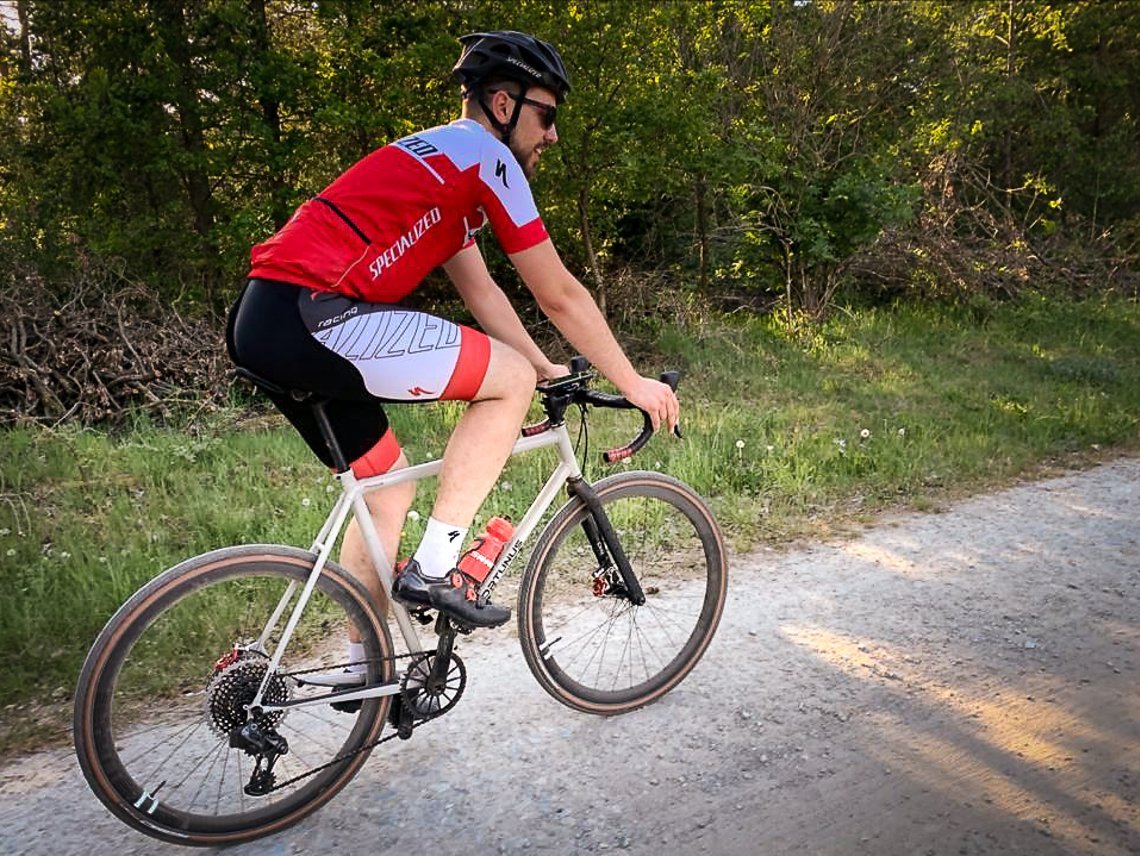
<point x="439" y="549"/>
<point x="355" y="655"/>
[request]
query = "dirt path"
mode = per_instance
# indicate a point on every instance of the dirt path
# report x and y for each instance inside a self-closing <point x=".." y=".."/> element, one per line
<point x="953" y="683"/>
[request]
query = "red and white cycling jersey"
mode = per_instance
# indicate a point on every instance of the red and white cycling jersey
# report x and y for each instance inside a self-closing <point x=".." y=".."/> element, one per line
<point x="402" y="211"/>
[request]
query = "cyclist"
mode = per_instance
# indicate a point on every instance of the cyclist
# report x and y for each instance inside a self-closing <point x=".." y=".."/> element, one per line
<point x="320" y="310"/>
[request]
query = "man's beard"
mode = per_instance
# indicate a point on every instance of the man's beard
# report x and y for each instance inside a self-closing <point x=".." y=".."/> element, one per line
<point x="526" y="161"/>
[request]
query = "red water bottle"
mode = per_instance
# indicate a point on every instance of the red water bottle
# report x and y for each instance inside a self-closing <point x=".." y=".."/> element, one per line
<point x="478" y="561"/>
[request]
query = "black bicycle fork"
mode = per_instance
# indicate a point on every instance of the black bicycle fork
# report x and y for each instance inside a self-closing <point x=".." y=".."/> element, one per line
<point x="604" y="540"/>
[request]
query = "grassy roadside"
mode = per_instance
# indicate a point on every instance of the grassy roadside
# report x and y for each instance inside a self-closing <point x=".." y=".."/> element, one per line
<point x="789" y="436"/>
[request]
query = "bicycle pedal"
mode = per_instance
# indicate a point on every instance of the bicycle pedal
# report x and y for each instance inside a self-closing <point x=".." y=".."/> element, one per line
<point x="446" y="624"/>
<point x="423" y="616"/>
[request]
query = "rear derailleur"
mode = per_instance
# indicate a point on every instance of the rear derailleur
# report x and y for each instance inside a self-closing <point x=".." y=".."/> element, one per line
<point x="265" y="746"/>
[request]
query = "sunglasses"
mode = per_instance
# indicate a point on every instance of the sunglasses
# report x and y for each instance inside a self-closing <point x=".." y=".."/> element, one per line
<point x="547" y="113"/>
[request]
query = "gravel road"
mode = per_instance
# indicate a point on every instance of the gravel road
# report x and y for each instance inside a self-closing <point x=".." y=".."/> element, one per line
<point x="955" y="683"/>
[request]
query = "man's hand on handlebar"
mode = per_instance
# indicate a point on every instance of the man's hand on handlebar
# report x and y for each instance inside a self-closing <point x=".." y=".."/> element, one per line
<point x="551" y="371"/>
<point x="656" y="399"/>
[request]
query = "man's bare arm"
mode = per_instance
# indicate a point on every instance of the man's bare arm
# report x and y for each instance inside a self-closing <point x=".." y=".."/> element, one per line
<point x="494" y="312"/>
<point x="567" y="303"/>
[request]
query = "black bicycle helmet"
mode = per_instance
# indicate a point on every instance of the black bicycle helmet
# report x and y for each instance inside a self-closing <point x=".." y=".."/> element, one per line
<point x="513" y="55"/>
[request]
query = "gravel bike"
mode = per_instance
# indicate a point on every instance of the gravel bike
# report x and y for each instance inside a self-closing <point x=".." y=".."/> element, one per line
<point x="194" y="722"/>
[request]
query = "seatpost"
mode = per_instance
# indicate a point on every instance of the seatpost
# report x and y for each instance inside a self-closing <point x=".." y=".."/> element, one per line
<point x="330" y="439"/>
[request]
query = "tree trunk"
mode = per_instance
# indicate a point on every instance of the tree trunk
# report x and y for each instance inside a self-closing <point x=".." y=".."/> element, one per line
<point x="1008" y="141"/>
<point x="788" y="283"/>
<point x="171" y="21"/>
<point x="1097" y="132"/>
<point x="702" y="234"/>
<point x="270" y="114"/>
<point x="588" y="245"/>
<point x="25" y="34"/>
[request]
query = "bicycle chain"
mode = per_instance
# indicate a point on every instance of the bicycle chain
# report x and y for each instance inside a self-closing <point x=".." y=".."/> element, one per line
<point x="392" y="659"/>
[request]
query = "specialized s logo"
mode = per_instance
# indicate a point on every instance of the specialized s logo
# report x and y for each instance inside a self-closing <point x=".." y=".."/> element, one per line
<point x="417" y="391"/>
<point x="501" y="173"/>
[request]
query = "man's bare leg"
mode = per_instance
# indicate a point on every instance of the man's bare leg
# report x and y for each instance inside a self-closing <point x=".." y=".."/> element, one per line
<point x="473" y="459"/>
<point x="482" y="441"/>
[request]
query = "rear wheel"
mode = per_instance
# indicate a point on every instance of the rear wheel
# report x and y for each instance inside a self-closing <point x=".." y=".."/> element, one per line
<point x="168" y="682"/>
<point x="586" y="642"/>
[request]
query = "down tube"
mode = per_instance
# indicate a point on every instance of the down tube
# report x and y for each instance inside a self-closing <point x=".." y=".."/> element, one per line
<point x="567" y="468"/>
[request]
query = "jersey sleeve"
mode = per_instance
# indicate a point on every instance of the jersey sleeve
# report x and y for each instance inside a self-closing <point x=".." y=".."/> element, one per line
<point x="508" y="202"/>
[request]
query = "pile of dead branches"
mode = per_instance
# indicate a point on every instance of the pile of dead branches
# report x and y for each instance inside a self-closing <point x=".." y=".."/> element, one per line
<point x="965" y="242"/>
<point x="100" y="351"/>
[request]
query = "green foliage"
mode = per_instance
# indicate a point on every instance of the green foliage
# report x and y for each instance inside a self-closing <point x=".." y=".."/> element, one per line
<point x="756" y="147"/>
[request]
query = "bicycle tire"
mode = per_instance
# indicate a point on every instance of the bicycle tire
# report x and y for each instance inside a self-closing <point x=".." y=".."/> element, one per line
<point x="566" y="627"/>
<point x="118" y="715"/>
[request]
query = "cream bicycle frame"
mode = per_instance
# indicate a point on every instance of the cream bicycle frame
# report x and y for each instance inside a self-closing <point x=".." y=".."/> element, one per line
<point x="351" y="500"/>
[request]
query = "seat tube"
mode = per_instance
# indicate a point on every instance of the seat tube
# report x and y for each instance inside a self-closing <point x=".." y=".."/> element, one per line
<point x="380" y="560"/>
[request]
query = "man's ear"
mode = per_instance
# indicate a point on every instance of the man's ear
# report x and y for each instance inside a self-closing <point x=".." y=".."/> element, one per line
<point x="501" y="105"/>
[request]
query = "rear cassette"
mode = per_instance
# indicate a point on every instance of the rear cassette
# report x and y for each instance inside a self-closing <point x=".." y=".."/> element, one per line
<point x="233" y="689"/>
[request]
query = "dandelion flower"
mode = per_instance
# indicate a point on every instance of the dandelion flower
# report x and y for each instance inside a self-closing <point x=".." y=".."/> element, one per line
<point x="413" y="515"/>
<point x="11" y="551"/>
<point x="902" y="432"/>
<point x="306" y="502"/>
<point x="740" y="444"/>
<point x="865" y="433"/>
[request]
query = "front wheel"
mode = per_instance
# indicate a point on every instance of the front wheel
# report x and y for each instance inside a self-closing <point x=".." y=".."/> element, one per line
<point x="586" y="642"/>
<point x="165" y="693"/>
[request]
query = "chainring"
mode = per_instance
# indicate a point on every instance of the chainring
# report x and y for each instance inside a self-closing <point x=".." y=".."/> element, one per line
<point x="425" y="701"/>
<point x="233" y="688"/>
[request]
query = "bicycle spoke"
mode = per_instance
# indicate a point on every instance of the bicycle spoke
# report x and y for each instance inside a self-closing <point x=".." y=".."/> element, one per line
<point x="147" y="751"/>
<point x="217" y="756"/>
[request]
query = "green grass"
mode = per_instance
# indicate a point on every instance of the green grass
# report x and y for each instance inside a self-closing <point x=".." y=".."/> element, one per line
<point x="788" y="435"/>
